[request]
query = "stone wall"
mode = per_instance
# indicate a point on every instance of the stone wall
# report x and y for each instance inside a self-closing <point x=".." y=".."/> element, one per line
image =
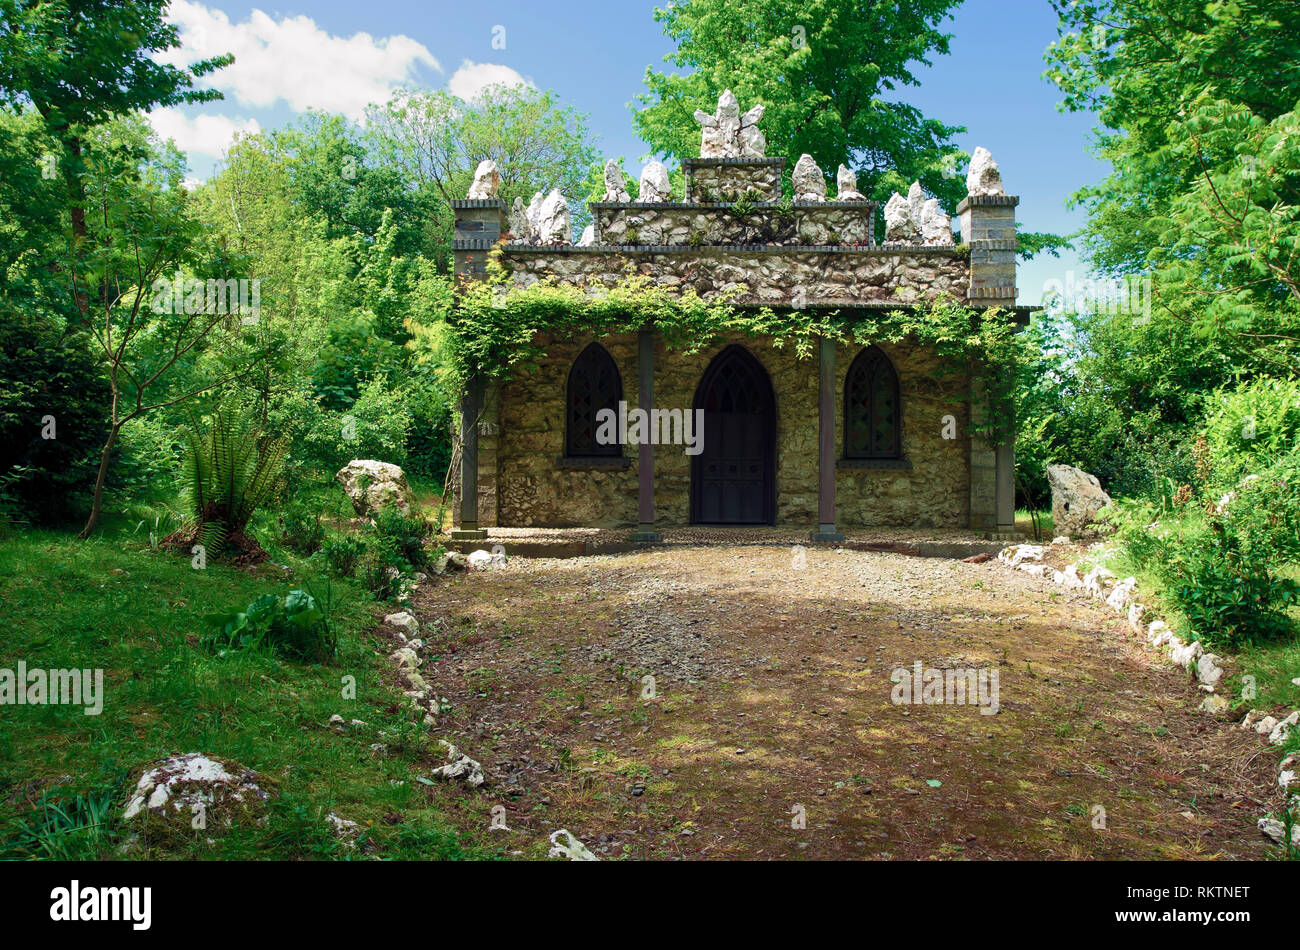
<point x="725" y="179"/>
<point x="826" y="276"/>
<point x="824" y="224"/>
<point x="536" y="490"/>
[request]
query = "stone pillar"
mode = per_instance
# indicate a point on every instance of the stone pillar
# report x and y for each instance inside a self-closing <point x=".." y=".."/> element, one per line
<point x="988" y="228"/>
<point x="645" y="453"/>
<point x="1006" y="485"/>
<point x="470" y="404"/>
<point x="479" y="225"/>
<point x="825" y="530"/>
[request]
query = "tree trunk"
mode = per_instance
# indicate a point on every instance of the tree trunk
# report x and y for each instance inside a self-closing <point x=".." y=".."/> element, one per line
<point x="98" y="502"/>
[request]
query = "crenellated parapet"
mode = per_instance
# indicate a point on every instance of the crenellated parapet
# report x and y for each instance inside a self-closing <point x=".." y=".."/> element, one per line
<point x="733" y="228"/>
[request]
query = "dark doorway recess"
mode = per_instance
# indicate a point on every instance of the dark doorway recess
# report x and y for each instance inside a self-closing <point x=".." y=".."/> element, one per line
<point x="733" y="480"/>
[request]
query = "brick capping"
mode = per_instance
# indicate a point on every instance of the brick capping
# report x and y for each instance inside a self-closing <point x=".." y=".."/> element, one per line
<point x="464" y="203"/>
<point x="988" y="201"/>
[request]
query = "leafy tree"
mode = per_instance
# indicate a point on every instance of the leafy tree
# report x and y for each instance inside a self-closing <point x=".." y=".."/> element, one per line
<point x="822" y="69"/>
<point x="80" y="63"/>
<point x="1140" y="66"/>
<point x="151" y="321"/>
<point x="437" y="141"/>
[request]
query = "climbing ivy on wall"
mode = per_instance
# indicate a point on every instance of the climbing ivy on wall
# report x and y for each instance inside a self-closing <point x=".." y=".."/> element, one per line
<point x="495" y="329"/>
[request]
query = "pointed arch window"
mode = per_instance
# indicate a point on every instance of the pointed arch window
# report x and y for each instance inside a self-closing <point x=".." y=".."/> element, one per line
<point x="594" y="384"/>
<point x="873" y="416"/>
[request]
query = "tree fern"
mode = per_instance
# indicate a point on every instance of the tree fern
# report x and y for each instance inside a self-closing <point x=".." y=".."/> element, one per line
<point x="229" y="470"/>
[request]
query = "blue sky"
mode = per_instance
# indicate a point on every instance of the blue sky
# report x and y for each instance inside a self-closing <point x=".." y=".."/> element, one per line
<point x="339" y="55"/>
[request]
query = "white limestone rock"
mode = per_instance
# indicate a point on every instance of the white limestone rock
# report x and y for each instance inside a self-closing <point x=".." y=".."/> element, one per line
<point x="984" y="178"/>
<point x="1077" y="498"/>
<point x="916" y="202"/>
<point x="485" y="560"/>
<point x="1015" y="555"/>
<point x="846" y="185"/>
<point x="1282" y="730"/>
<point x="521" y="229"/>
<point x="1277" y="831"/>
<point x="1121" y="594"/>
<point x="372" y="486"/>
<point x="565" y="845"/>
<point x="808" y="181"/>
<point x="553" y="224"/>
<point x="728" y="134"/>
<point x="751" y="140"/>
<point x="405" y="658"/>
<point x="1097" y="582"/>
<point x="936" y="227"/>
<point x="1185" y="654"/>
<point x="615" y="185"/>
<point x="404" y="622"/>
<point x="487" y="180"/>
<point x="588" y="236"/>
<point x="899" y="225"/>
<point x="178" y="788"/>
<point x="1214" y="705"/>
<point x="1209" y="669"/>
<point x="655" y="186"/>
<point x="459" y="767"/>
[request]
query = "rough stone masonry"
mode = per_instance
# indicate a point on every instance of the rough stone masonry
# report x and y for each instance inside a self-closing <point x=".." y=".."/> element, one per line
<point x="732" y="230"/>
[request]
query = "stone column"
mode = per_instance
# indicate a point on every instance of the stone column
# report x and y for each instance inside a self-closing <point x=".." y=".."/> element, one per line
<point x="988" y="226"/>
<point x="645" y="459"/>
<point x="825" y="530"/>
<point x="470" y="404"/>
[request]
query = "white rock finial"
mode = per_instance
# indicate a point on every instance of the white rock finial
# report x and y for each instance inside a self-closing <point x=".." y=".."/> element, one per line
<point x="936" y="227"/>
<point x="521" y="228"/>
<point x="727" y="133"/>
<point x="615" y="189"/>
<point x="655" y="187"/>
<point x="807" y="179"/>
<point x="899" y="224"/>
<point x="846" y="182"/>
<point x="487" y="180"/>
<point x="916" y="201"/>
<point x="984" y="178"/>
<point x="552" y="224"/>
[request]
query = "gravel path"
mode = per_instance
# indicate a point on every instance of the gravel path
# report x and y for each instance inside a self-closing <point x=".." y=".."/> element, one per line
<point x="773" y="697"/>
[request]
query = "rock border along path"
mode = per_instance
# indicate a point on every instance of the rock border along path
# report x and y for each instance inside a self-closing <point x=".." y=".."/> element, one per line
<point x="1207" y="668"/>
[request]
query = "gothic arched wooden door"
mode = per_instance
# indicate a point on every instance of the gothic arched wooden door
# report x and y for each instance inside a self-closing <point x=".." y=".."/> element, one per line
<point x="733" y="479"/>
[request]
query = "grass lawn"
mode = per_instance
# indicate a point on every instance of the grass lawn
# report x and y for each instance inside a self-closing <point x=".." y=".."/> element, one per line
<point x="114" y="603"/>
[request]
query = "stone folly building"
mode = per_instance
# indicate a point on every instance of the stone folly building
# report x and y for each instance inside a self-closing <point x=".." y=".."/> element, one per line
<point x="860" y="436"/>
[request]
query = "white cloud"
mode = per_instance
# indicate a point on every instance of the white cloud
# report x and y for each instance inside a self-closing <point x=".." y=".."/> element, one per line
<point x="472" y="78"/>
<point x="200" y="134"/>
<point x="294" y="60"/>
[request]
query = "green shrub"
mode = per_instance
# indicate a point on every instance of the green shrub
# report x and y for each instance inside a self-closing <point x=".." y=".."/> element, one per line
<point x="404" y="536"/>
<point x="384" y="573"/>
<point x="1221" y="568"/>
<point x="301" y="530"/>
<point x="342" y="555"/>
<point x="1250" y="429"/>
<point x="374" y="427"/>
<point x="293" y="626"/>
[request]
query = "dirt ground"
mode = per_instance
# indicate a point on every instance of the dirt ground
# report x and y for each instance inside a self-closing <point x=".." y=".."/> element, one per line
<point x="771" y="731"/>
